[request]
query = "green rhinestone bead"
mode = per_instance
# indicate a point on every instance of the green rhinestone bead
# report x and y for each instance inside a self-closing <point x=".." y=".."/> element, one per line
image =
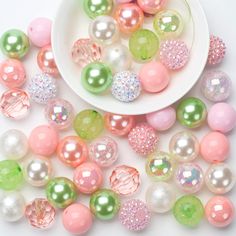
<point x="104" y="204"/>
<point x="143" y="45"/>
<point x="88" y="124"/>
<point x="94" y="8"/>
<point x="191" y="112"/>
<point x="168" y="24"/>
<point x="96" y="77"/>
<point x="11" y="176"/>
<point x="61" y="192"/>
<point x="188" y="210"/>
<point x="14" y="43"/>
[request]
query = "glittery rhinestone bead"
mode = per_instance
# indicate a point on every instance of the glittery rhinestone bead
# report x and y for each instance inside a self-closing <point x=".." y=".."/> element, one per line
<point x="126" y="86"/>
<point x="124" y="180"/>
<point x="85" y="51"/>
<point x="143" y="139"/>
<point x="42" y="88"/>
<point x="15" y="103"/>
<point x="40" y="213"/>
<point x="134" y="215"/>
<point x="174" y="54"/>
<point x="217" y="50"/>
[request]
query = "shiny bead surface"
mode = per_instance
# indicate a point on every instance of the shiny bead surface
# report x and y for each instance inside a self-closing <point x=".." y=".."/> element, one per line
<point x="151" y="6"/>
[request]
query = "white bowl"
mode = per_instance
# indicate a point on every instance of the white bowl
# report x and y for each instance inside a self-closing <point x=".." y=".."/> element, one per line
<point x="71" y="23"/>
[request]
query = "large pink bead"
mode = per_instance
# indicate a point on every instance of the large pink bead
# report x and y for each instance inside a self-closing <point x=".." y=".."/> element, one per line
<point x="151" y="6"/>
<point x="219" y="211"/>
<point x="77" y="219"/>
<point x="39" y="31"/>
<point x="12" y="73"/>
<point x="43" y="140"/>
<point x="88" y="177"/>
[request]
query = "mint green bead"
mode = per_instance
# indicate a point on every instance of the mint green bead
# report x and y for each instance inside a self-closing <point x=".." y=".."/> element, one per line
<point x="144" y="45"/>
<point x="11" y="176"/>
<point x="188" y="211"/>
<point x="88" y="124"/>
<point x="94" y="8"/>
<point x="96" y="77"/>
<point x="14" y="43"/>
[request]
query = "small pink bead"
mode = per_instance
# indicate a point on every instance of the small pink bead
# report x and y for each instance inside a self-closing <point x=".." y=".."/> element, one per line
<point x="162" y="120"/>
<point x="43" y="140"/>
<point x="222" y="117"/>
<point x="77" y="219"/>
<point x="151" y="6"/>
<point x="88" y="177"/>
<point x="12" y="73"/>
<point x="214" y="147"/>
<point x="39" y="31"/>
<point x="219" y="211"/>
<point x="154" y="77"/>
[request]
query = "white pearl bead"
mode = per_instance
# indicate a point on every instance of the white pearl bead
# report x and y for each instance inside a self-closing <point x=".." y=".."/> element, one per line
<point x="13" y="144"/>
<point x="117" y="56"/>
<point x="160" y="197"/>
<point x="12" y="206"/>
<point x="104" y="30"/>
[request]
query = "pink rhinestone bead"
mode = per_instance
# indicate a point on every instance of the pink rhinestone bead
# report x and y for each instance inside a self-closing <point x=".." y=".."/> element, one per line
<point x="143" y="139"/>
<point x="85" y="51"/>
<point x="217" y="50"/>
<point x="40" y="213"/>
<point x="134" y="215"/>
<point x="124" y="180"/>
<point x="15" y="103"/>
<point x="174" y="54"/>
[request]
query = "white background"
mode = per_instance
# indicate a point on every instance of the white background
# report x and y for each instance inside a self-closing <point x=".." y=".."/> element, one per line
<point x="17" y="14"/>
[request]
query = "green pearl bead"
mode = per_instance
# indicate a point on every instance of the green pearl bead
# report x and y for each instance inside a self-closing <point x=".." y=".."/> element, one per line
<point x="61" y="192"/>
<point x="88" y="124"/>
<point x="188" y="210"/>
<point x="191" y="112"/>
<point x="94" y="8"/>
<point x="96" y="77"/>
<point x="143" y="45"/>
<point x="105" y="204"/>
<point x="168" y="23"/>
<point x="11" y="176"/>
<point x="14" y="43"/>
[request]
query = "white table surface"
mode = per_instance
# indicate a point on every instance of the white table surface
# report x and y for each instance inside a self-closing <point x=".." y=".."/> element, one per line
<point x="17" y="14"/>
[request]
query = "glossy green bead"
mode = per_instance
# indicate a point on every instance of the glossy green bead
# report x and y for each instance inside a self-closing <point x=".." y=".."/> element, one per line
<point x="143" y="45"/>
<point x="96" y="77"/>
<point x="105" y="204"/>
<point x="11" y="176"/>
<point x="168" y="24"/>
<point x="188" y="211"/>
<point x="88" y="124"/>
<point x="191" y="112"/>
<point x="94" y="8"/>
<point x="61" y="192"/>
<point x="14" y="43"/>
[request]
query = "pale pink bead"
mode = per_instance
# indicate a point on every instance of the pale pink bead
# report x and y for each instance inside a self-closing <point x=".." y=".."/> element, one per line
<point x="77" y="219"/>
<point x="88" y="177"/>
<point x="12" y="73"/>
<point x="219" y="211"/>
<point x="222" y="117"/>
<point x="123" y="1"/>
<point x="43" y="140"/>
<point x="39" y="31"/>
<point x="162" y="120"/>
<point x="151" y="6"/>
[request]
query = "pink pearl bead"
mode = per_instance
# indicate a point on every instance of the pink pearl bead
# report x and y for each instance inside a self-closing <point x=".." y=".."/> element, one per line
<point x="162" y="120"/>
<point x="77" y="219"/>
<point x="151" y="6"/>
<point x="88" y="177"/>
<point x="43" y="140"/>
<point x="12" y="73"/>
<point x="154" y="77"/>
<point x="214" y="147"/>
<point x="123" y="1"/>
<point x="219" y="211"/>
<point x="39" y="32"/>
<point x="222" y="117"/>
